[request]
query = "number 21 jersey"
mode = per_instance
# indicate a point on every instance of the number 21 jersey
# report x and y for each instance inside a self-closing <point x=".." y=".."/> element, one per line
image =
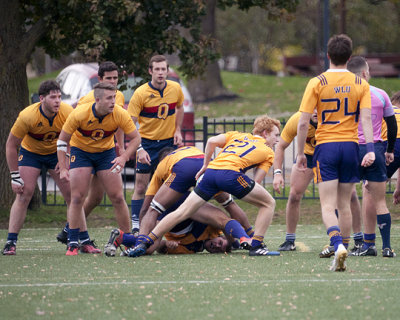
<point x="243" y="151"/>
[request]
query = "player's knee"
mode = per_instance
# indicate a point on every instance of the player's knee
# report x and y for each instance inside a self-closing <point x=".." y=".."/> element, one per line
<point x="25" y="198"/>
<point x="117" y="199"/>
<point x="140" y="188"/>
<point x="295" y="197"/>
<point x="270" y="203"/>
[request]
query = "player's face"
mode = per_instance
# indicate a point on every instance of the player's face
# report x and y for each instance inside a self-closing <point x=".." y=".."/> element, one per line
<point x="51" y="102"/>
<point x="272" y="137"/>
<point x="216" y="245"/>
<point x="110" y="77"/>
<point x="105" y="104"/>
<point x="159" y="74"/>
<point x="314" y="116"/>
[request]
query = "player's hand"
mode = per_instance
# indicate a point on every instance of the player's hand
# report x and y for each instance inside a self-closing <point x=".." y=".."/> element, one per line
<point x="143" y="157"/>
<point x="389" y="157"/>
<point x="278" y="182"/>
<point x="118" y="164"/>
<point x="200" y="172"/>
<point x="301" y="162"/>
<point x="64" y="174"/>
<point x="396" y="196"/>
<point x="178" y="138"/>
<point x="368" y="159"/>
<point x="172" y="244"/>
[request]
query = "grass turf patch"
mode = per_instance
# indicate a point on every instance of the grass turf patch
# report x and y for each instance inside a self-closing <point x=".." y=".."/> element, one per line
<point x="41" y="282"/>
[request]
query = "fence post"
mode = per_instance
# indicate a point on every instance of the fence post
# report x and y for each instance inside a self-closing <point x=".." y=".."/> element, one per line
<point x="44" y="185"/>
<point x="205" y="132"/>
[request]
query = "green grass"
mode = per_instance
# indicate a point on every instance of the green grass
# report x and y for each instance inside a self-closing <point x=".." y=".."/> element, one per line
<point x="276" y="96"/>
<point x="41" y="282"/>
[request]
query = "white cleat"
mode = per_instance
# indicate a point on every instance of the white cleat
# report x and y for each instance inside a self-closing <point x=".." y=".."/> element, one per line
<point x="339" y="262"/>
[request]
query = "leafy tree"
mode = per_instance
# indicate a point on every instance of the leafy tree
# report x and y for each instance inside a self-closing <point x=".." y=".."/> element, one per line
<point x="209" y="85"/>
<point x="127" y="32"/>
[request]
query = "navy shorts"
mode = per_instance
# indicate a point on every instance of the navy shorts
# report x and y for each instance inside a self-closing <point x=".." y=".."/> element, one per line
<point x="392" y="168"/>
<point x="213" y="181"/>
<point x="96" y="160"/>
<point x="183" y="174"/>
<point x="336" y="160"/>
<point x="30" y="159"/>
<point x="377" y="171"/>
<point x="153" y="147"/>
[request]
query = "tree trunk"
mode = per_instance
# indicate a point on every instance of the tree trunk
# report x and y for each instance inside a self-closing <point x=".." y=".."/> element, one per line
<point x="13" y="86"/>
<point x="209" y="86"/>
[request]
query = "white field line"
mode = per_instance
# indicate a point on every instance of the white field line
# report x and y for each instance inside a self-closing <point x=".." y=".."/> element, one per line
<point x="195" y="282"/>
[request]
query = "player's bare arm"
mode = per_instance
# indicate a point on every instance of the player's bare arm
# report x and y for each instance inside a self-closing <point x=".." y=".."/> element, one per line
<point x="178" y="125"/>
<point x="279" y="182"/>
<point x="366" y="123"/>
<point x="62" y="147"/>
<point x="12" y="145"/>
<point x="212" y="144"/>
<point x="302" y="129"/>
<point x="119" y="162"/>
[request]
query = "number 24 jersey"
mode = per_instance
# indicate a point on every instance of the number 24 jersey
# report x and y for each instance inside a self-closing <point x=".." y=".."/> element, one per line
<point x="338" y="95"/>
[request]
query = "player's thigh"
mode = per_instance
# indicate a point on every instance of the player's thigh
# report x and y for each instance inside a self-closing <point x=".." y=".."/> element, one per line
<point x="299" y="180"/>
<point x="167" y="196"/>
<point x="344" y="193"/>
<point x="328" y="193"/>
<point x="211" y="215"/>
<point x="62" y="184"/>
<point x="96" y="186"/>
<point x="259" y="197"/>
<point x="112" y="183"/>
<point x="79" y="181"/>
<point x="377" y="193"/>
<point x="29" y="175"/>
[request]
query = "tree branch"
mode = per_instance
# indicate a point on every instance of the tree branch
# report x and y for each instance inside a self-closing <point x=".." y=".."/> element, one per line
<point x="31" y="37"/>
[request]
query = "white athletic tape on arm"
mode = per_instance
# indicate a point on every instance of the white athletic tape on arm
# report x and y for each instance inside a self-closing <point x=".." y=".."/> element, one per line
<point x="62" y="146"/>
<point x="157" y="206"/>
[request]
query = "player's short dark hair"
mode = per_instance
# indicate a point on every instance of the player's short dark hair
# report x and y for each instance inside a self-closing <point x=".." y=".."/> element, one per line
<point x="396" y="99"/>
<point x="164" y="152"/>
<point x="106" y="66"/>
<point x="357" y="64"/>
<point x="100" y="87"/>
<point x="157" y="58"/>
<point x="47" y="86"/>
<point x="340" y="48"/>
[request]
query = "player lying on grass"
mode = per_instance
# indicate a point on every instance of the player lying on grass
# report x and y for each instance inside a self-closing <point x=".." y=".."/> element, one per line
<point x="240" y="152"/>
<point x="174" y="175"/>
<point x="189" y="236"/>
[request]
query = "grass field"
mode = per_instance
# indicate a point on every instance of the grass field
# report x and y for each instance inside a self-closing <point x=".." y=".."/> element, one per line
<point x="40" y="282"/>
